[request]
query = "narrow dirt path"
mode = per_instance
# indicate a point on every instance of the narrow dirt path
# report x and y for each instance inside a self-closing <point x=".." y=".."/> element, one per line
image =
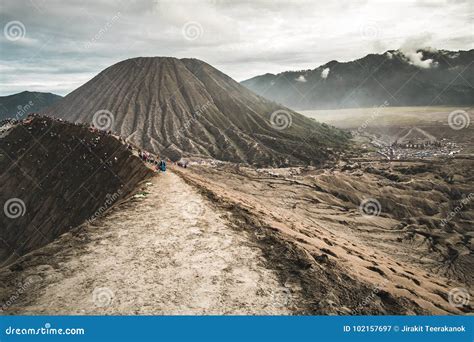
<point x="169" y="253"/>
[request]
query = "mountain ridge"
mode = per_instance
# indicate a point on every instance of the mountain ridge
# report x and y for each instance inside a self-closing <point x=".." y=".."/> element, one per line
<point x="400" y="77"/>
<point x="18" y="106"/>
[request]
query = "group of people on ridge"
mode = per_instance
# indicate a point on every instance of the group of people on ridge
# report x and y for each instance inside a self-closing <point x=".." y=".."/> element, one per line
<point x="160" y="165"/>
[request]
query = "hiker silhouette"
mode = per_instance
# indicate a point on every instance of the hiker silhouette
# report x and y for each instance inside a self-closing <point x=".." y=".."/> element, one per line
<point x="163" y="165"/>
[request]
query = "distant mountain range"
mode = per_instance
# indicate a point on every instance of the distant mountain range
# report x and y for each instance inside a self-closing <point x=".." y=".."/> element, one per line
<point x="18" y="106"/>
<point x="401" y="78"/>
<point x="185" y="107"/>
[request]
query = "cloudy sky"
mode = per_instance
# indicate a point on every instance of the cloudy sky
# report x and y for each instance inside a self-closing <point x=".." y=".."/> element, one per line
<point x="57" y="45"/>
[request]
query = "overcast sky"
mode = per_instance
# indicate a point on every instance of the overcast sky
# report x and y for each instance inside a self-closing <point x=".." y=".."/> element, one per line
<point x="57" y="45"/>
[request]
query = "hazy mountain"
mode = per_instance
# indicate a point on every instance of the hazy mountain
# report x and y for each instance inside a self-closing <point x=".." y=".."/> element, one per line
<point x="186" y="107"/>
<point x="18" y="106"/>
<point x="401" y="78"/>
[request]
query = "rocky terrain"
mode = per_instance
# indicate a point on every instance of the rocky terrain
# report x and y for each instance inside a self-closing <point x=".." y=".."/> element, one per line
<point x="403" y="133"/>
<point x="399" y="234"/>
<point x="161" y="186"/>
<point x="185" y="107"/>
<point x="151" y="254"/>
<point x="54" y="176"/>
<point x="18" y="106"/>
<point x="346" y="228"/>
<point x="360" y="236"/>
<point x="401" y="78"/>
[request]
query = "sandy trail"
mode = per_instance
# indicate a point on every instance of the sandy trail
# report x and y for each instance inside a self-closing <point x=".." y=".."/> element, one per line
<point x="167" y="253"/>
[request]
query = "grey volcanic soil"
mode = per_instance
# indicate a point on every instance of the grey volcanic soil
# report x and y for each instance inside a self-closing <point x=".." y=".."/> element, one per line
<point x="64" y="174"/>
<point x="170" y="252"/>
<point x="402" y="258"/>
<point x="177" y="107"/>
<point x="253" y="241"/>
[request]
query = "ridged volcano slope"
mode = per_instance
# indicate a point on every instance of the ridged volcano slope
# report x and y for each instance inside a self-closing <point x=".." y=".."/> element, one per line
<point x="185" y="107"/>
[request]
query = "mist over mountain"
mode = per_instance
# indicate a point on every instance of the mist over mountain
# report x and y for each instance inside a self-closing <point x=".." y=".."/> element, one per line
<point x="405" y="77"/>
<point x="185" y="107"/>
<point x="18" y="106"/>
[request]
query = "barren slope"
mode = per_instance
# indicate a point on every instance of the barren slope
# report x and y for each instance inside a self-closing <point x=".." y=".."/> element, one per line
<point x="54" y="176"/>
<point x="186" y="107"/>
<point x="170" y="252"/>
<point x="401" y="261"/>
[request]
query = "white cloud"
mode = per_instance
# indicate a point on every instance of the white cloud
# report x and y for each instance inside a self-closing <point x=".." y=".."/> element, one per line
<point x="325" y="73"/>
<point x="453" y="55"/>
<point x="242" y="38"/>
<point x="416" y="59"/>
<point x="300" y="78"/>
<point x="410" y="50"/>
